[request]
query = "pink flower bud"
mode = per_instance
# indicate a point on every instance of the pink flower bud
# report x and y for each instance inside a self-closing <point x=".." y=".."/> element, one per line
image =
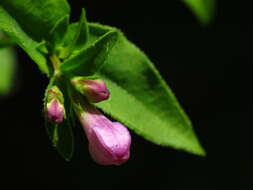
<point x="55" y="111"/>
<point x="109" y="142"/>
<point x="94" y="90"/>
<point x="55" y="105"/>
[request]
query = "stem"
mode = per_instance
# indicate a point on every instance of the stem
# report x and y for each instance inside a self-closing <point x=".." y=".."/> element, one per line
<point x="55" y="135"/>
<point x="55" y="61"/>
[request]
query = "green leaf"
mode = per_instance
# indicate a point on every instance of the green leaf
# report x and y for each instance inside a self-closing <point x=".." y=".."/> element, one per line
<point x="89" y="59"/>
<point x="59" y="30"/>
<point x="27" y="22"/>
<point x="42" y="47"/>
<point x="61" y="134"/>
<point x="141" y="99"/>
<point x="36" y="17"/>
<point x="62" y="138"/>
<point x="82" y="33"/>
<point x="78" y="40"/>
<point x="6" y="41"/>
<point x="14" y="30"/>
<point x="7" y="69"/>
<point x="203" y="9"/>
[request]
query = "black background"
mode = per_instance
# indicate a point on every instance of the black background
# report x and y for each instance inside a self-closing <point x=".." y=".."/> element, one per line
<point x="208" y="68"/>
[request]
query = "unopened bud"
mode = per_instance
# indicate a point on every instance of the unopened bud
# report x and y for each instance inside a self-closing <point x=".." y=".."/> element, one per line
<point x="55" y="105"/>
<point x="94" y="89"/>
<point x="109" y="142"/>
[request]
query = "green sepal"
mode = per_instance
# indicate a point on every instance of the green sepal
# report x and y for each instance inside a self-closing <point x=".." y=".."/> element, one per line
<point x="54" y="92"/>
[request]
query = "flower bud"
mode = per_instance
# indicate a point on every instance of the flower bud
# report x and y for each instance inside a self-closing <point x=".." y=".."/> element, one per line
<point x="109" y="142"/>
<point x="54" y="107"/>
<point x="95" y="89"/>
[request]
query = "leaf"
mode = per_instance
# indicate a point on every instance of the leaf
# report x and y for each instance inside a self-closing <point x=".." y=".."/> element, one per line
<point x="13" y="29"/>
<point x="141" y="99"/>
<point x="61" y="134"/>
<point x="203" y="9"/>
<point x="83" y="31"/>
<point x="42" y="47"/>
<point x="36" y="17"/>
<point x="27" y="22"/>
<point x="88" y="60"/>
<point x="81" y="35"/>
<point x="6" y="41"/>
<point x="59" y="30"/>
<point x="62" y="138"/>
<point x="7" y="69"/>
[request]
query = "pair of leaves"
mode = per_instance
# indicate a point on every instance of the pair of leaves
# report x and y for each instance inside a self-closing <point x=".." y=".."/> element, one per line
<point x="139" y="98"/>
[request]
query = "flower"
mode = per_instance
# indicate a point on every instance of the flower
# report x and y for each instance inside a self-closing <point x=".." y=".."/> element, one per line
<point x="94" y="89"/>
<point x="109" y="142"/>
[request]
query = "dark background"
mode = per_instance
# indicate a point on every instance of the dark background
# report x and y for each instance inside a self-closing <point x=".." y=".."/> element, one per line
<point x="208" y="68"/>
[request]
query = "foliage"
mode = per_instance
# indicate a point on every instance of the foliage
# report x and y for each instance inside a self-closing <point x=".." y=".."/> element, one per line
<point x="140" y="98"/>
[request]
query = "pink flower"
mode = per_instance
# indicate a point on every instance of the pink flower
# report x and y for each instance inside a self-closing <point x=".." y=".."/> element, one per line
<point x="109" y="142"/>
<point x="55" y="111"/>
<point x="94" y="90"/>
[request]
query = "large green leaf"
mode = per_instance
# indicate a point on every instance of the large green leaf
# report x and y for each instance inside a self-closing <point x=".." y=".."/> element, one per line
<point x="13" y="29"/>
<point x="203" y="9"/>
<point x="141" y="99"/>
<point x="36" y="17"/>
<point x="7" y="69"/>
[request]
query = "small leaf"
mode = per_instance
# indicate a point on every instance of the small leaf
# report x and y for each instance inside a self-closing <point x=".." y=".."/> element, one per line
<point x="81" y="34"/>
<point x="62" y="138"/>
<point x="141" y="99"/>
<point x="7" y="69"/>
<point x="61" y="134"/>
<point x="83" y="31"/>
<point x="203" y="9"/>
<point x="88" y="60"/>
<point x="42" y="47"/>
<point x="59" y="30"/>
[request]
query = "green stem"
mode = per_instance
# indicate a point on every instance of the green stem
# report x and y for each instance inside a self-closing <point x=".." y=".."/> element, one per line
<point x="55" y="61"/>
